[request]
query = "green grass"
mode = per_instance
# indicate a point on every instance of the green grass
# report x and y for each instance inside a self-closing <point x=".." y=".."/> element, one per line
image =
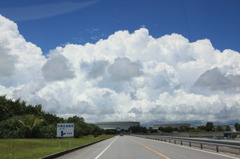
<point x="37" y="148"/>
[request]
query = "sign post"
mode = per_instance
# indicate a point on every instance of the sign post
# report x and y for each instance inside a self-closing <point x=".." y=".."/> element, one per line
<point x="65" y="130"/>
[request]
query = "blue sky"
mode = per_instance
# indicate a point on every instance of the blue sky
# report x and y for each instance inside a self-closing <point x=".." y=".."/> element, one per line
<point x="139" y="60"/>
<point x="50" y="23"/>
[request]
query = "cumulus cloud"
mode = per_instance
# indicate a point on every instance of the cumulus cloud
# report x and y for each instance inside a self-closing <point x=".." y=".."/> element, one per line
<point x="135" y="110"/>
<point x="128" y="76"/>
<point x="215" y="80"/>
<point x="7" y="63"/>
<point x="124" y="69"/>
<point x="95" y="69"/>
<point x="56" y="68"/>
<point x="21" y="61"/>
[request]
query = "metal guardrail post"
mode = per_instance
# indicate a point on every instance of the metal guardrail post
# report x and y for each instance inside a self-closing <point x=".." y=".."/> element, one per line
<point x="217" y="148"/>
<point x="201" y="146"/>
<point x="190" y="144"/>
<point x="181" y="142"/>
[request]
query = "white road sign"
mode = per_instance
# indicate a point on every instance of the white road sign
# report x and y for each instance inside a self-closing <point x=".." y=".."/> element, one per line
<point x="65" y="130"/>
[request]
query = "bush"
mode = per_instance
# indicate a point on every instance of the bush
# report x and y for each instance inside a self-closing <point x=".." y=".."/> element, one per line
<point x="11" y="128"/>
<point x="78" y="132"/>
<point x="48" y="131"/>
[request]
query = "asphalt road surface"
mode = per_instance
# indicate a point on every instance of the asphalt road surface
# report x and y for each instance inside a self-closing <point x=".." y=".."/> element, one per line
<point x="130" y="147"/>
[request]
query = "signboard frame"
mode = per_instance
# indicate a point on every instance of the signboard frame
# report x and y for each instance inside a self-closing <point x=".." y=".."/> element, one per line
<point x="65" y="129"/>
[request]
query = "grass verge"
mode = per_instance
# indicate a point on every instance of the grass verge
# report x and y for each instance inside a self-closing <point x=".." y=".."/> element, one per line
<point x="37" y="148"/>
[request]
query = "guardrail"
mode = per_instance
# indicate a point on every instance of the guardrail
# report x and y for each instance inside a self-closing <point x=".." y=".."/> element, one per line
<point x="198" y="143"/>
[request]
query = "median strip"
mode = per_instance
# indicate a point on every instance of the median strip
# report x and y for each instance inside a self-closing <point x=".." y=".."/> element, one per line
<point x="151" y="149"/>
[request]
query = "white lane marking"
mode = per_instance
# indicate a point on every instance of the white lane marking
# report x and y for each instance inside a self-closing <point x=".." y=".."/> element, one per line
<point x="106" y="148"/>
<point x="194" y="149"/>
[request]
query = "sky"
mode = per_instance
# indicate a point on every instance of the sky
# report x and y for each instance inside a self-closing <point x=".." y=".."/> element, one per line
<point x="121" y="60"/>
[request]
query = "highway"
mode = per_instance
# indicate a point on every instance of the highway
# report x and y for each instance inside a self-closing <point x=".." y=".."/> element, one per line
<point x="129" y="147"/>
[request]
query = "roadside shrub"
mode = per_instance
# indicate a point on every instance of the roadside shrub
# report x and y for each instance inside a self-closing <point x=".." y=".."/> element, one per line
<point x="48" y="131"/>
<point x="11" y="128"/>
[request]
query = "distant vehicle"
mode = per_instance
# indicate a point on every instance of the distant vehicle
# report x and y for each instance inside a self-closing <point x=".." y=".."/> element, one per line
<point x="121" y="135"/>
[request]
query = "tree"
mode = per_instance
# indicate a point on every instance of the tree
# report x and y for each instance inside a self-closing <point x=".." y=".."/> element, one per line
<point x="30" y="123"/>
<point x="50" y="119"/>
<point x="80" y="127"/>
<point x="97" y="130"/>
<point x="209" y="126"/>
<point x="11" y="128"/>
<point x="137" y="129"/>
<point x="227" y="128"/>
<point x="151" y="130"/>
<point x="201" y="128"/>
<point x="18" y="120"/>
<point x="3" y="112"/>
<point x="10" y="108"/>
<point x="237" y="126"/>
<point x="110" y="131"/>
<point x="184" y="129"/>
<point x="37" y="109"/>
<point x="219" y="128"/>
<point x="48" y="131"/>
<point x="75" y="119"/>
<point x="161" y="129"/>
<point x="168" y="129"/>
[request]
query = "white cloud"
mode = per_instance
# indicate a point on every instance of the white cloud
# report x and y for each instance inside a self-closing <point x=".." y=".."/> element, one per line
<point x="95" y="69"/>
<point x="56" y="69"/>
<point x="21" y="61"/>
<point x="129" y="76"/>
<point x="7" y="63"/>
<point x="214" y="80"/>
<point x="124" y="69"/>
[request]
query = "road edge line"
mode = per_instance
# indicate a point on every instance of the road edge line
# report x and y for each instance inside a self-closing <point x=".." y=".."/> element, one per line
<point x="106" y="148"/>
<point x="232" y="157"/>
<point x="58" y="154"/>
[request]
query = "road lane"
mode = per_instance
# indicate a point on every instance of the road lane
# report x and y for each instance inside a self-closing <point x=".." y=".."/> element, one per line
<point x="151" y="149"/>
<point x="179" y="152"/>
<point x="106" y="148"/>
<point x="128" y="147"/>
<point x="89" y="152"/>
<point x="125" y="148"/>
